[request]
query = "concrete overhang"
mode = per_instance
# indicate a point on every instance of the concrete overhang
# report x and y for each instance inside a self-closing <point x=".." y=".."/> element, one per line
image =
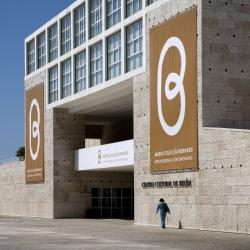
<point x="104" y="104"/>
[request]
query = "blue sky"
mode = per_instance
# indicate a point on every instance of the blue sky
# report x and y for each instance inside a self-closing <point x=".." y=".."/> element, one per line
<point x="18" y="19"/>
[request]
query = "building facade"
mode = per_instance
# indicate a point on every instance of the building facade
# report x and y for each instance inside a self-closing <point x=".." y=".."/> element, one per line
<point x="130" y="101"/>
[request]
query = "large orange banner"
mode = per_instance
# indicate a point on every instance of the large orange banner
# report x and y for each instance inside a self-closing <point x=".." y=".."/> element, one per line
<point x="173" y="76"/>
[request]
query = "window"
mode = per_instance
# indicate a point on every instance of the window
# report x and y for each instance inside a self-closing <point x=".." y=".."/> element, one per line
<point x="95" y="17"/>
<point x="113" y="12"/>
<point x="53" y="42"/>
<point x="133" y="6"/>
<point x="53" y="84"/>
<point x="134" y="46"/>
<point x="41" y="50"/>
<point x="80" y="71"/>
<point x="31" y="57"/>
<point x="80" y="25"/>
<point x="114" y="55"/>
<point x="66" y="34"/>
<point x="66" y="78"/>
<point x="96" y="64"/>
<point x="151" y="1"/>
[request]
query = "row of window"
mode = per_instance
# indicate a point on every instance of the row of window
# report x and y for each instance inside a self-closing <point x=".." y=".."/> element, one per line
<point x="113" y="16"/>
<point x="134" y="60"/>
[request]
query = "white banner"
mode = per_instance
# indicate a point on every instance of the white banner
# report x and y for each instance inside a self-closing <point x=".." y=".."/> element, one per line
<point x="117" y="154"/>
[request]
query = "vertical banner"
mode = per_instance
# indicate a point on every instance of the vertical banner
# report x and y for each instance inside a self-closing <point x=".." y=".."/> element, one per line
<point x="173" y="94"/>
<point x="34" y="135"/>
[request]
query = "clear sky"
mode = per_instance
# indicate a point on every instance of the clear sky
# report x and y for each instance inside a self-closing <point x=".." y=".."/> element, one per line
<point x="18" y="19"/>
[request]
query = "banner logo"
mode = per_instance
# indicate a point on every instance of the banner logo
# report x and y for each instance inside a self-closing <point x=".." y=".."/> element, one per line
<point x="172" y="93"/>
<point x="34" y="129"/>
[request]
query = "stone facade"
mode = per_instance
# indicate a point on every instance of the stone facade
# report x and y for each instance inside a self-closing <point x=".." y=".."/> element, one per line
<point x="218" y="199"/>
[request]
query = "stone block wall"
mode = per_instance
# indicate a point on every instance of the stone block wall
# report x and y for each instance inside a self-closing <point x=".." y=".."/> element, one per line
<point x="225" y="55"/>
<point x="32" y="200"/>
<point x="218" y="198"/>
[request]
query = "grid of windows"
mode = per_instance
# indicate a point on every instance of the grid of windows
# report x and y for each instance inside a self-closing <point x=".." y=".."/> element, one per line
<point x="66" y="78"/>
<point x="53" y="42"/>
<point x="96" y="70"/>
<point x="63" y="79"/>
<point x="95" y="17"/>
<point x="114" y="55"/>
<point x="66" y="34"/>
<point x="133" y="6"/>
<point x="53" y="84"/>
<point x="134" y="46"/>
<point x="113" y="12"/>
<point x="31" y="64"/>
<point x="80" y="25"/>
<point x="41" y="50"/>
<point x="80" y="71"/>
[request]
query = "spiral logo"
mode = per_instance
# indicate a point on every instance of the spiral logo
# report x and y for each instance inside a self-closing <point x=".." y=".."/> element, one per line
<point x="178" y="89"/>
<point x="34" y="131"/>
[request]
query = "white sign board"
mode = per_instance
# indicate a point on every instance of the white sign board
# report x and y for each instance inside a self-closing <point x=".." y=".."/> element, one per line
<point x="113" y="155"/>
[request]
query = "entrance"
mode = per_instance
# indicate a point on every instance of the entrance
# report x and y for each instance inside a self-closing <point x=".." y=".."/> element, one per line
<point x="112" y="203"/>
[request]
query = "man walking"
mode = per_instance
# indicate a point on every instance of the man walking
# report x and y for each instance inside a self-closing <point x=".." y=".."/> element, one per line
<point x="164" y="209"/>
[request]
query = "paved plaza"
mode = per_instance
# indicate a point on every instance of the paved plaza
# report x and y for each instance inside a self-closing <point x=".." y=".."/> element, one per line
<point x="39" y="234"/>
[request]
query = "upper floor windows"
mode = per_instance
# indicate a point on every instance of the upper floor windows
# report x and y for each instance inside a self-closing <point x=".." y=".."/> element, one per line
<point x="66" y="34"/>
<point x="41" y="50"/>
<point x="113" y="12"/>
<point x="96" y="68"/>
<point x="53" y="42"/>
<point x="80" y="25"/>
<point x="133" y="6"/>
<point x="80" y="71"/>
<point x="53" y="84"/>
<point x="95" y="17"/>
<point x="31" y="63"/>
<point x="119" y="47"/>
<point x="66" y="78"/>
<point x="114" y="55"/>
<point x="134" y="46"/>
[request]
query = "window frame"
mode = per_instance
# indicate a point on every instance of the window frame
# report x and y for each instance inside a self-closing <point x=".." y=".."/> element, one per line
<point x="64" y="73"/>
<point x="95" y="60"/>
<point x="133" y="41"/>
<point x="96" y="27"/>
<point x="79" y="67"/>
<point x="110" y="66"/>
<point x="51" y="39"/>
<point x="112" y="13"/>
<point x="31" y="54"/>
<point x="78" y="19"/>
<point x="56" y="83"/>
<point x="66" y="31"/>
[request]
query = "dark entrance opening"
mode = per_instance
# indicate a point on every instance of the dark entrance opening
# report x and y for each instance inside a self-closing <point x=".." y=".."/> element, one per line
<point x="113" y="203"/>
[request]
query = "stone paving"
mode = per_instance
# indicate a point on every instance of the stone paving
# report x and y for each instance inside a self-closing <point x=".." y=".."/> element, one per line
<point x="39" y="234"/>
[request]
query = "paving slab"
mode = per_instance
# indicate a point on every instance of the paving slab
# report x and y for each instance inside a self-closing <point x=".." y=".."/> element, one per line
<point x="74" y="234"/>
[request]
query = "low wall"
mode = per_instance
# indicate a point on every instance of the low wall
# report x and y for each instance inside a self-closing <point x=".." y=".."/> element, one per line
<point x="20" y="199"/>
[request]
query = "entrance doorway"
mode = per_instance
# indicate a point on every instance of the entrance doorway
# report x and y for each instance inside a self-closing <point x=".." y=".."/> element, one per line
<point x="112" y="203"/>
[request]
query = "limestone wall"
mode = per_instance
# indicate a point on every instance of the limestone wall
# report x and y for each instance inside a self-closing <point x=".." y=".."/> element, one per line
<point x="219" y="197"/>
<point x="32" y="200"/>
<point x="226" y="52"/>
<point x="18" y="198"/>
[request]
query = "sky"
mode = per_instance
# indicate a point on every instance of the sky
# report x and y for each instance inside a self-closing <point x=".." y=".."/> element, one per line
<point x="18" y="19"/>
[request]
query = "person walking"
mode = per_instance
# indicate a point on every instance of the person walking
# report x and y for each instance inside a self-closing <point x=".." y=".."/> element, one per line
<point x="164" y="209"/>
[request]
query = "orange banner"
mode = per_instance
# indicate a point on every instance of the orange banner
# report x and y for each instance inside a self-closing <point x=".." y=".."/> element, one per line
<point x="173" y="76"/>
